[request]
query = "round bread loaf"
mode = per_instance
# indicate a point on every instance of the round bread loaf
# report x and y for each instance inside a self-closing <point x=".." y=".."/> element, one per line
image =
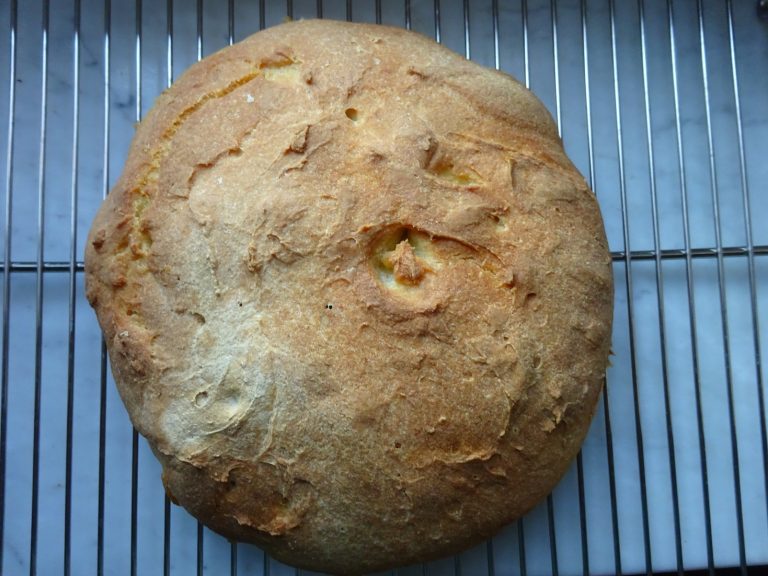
<point x="355" y="296"/>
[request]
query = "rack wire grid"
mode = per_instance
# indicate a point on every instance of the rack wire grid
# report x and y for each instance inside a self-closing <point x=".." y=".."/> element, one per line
<point x="662" y="105"/>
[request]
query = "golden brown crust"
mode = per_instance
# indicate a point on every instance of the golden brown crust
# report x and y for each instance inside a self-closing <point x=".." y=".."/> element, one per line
<point x="355" y="295"/>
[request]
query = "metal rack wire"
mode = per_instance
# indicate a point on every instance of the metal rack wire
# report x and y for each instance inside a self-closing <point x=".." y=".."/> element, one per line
<point x="661" y="105"/>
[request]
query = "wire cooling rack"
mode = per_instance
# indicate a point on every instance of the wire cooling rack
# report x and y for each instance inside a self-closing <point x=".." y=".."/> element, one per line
<point x="663" y="107"/>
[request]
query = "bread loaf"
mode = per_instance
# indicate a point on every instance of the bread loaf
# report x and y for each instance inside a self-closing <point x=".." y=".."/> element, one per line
<point x="355" y="296"/>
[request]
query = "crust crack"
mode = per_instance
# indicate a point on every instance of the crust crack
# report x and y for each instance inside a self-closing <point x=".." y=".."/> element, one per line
<point x="138" y="240"/>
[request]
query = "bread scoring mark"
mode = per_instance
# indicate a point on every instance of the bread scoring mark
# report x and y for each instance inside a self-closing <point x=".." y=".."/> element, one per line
<point x="404" y="265"/>
<point x="402" y="257"/>
<point x="142" y="240"/>
<point x="446" y="170"/>
<point x="304" y="143"/>
<point x="233" y="152"/>
<point x="282" y="68"/>
<point x="446" y="166"/>
<point x="407" y="263"/>
<point x="200" y="167"/>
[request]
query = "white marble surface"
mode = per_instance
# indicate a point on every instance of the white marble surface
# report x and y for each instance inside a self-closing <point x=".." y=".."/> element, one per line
<point x="699" y="360"/>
